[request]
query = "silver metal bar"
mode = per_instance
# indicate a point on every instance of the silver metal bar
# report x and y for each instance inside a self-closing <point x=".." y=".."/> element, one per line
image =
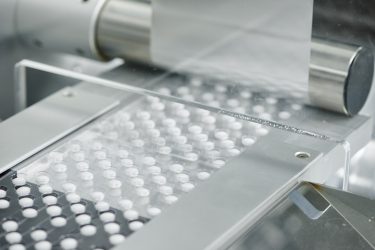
<point x="340" y="76"/>
<point x="124" y="29"/>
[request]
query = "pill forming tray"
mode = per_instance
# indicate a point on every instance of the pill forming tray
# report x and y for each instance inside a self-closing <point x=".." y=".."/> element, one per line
<point x="159" y="167"/>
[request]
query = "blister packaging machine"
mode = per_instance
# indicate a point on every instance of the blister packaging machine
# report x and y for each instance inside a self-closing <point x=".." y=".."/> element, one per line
<point x="186" y="125"/>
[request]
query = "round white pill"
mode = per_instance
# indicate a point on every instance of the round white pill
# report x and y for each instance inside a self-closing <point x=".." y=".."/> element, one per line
<point x="158" y="106"/>
<point x="182" y="178"/>
<point x="100" y="155"/>
<point x="105" y="164"/>
<point x="17" y="247"/>
<point x="60" y="168"/>
<point x="3" y="193"/>
<point x="169" y="122"/>
<point x="58" y="221"/>
<point x="107" y="217"/>
<point x="218" y="163"/>
<point x="69" y="244"/>
<point x="125" y="204"/>
<point x="83" y="219"/>
<point x="174" y="131"/>
<point x="262" y="131"/>
<point x="159" y="179"/>
<point x="154" y="133"/>
<point x="19" y="181"/>
<point x="176" y="168"/>
<point x="131" y="215"/>
<point x="191" y="156"/>
<point x="209" y="120"/>
<point x="30" y="212"/>
<point x="143" y="192"/>
<point x="153" y="211"/>
<point x="228" y="144"/>
<point x="56" y="157"/>
<point x="131" y="172"/>
<point x="116" y="239"/>
<point x="165" y="150"/>
<point x="97" y="196"/>
<point x="247" y="141"/>
<point x="88" y="230"/>
<point x="78" y="208"/>
<point x="49" y="200"/>
<point x="271" y="100"/>
<point x="166" y="190"/>
<point x="195" y="129"/>
<point x="154" y="170"/>
<point x="38" y="235"/>
<point x="114" y="184"/>
<point x="245" y="94"/>
<point x="45" y="189"/>
<point x="208" y="97"/>
<point x="296" y="107"/>
<point x="9" y="225"/>
<point x="26" y="202"/>
<point x="208" y="145"/>
<point x="138" y="143"/>
<point x="284" y="115"/>
<point x="234" y="152"/>
<point x="265" y="116"/>
<point x="42" y="179"/>
<point x="23" y="191"/>
<point x="203" y="175"/>
<point x="112" y="228"/>
<point x="233" y="103"/>
<point x="137" y="182"/>
<point x="258" y="109"/>
<point x="13" y="237"/>
<point x="102" y="206"/>
<point x="54" y="210"/>
<point x="122" y="153"/>
<point x="82" y="166"/>
<point x="43" y="245"/>
<point x="221" y="135"/>
<point x="143" y="115"/>
<point x="135" y="225"/>
<point x="128" y="125"/>
<point x="73" y="198"/>
<point x="149" y="161"/>
<point x="187" y="187"/>
<point x="235" y="126"/>
<point x="86" y="176"/>
<point x="148" y="124"/>
<point x="109" y="174"/>
<point x="69" y="187"/>
<point x="127" y="163"/>
<point x="170" y="199"/>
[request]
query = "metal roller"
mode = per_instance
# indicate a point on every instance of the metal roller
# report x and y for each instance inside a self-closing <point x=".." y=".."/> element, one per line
<point x="340" y="74"/>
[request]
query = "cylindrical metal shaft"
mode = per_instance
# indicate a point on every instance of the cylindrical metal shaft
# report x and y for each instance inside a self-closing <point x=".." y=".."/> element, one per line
<point x="340" y="75"/>
<point x="124" y="30"/>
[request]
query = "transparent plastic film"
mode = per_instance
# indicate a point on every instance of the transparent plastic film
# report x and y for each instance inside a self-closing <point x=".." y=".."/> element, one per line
<point x="113" y="175"/>
<point x="259" y="43"/>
